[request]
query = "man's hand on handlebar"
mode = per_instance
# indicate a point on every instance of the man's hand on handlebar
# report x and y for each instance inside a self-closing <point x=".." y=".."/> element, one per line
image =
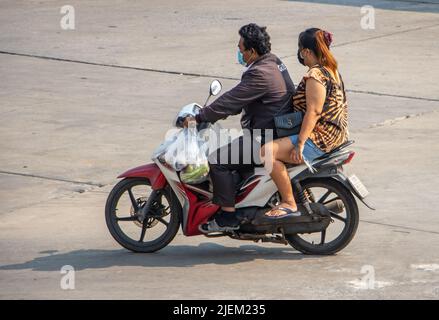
<point x="187" y="120"/>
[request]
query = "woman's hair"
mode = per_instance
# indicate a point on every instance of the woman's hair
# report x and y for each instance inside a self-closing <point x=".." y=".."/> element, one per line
<point x="255" y="37"/>
<point x="319" y="42"/>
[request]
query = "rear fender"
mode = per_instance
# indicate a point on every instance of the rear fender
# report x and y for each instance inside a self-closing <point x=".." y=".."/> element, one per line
<point x="333" y="172"/>
<point x="342" y="179"/>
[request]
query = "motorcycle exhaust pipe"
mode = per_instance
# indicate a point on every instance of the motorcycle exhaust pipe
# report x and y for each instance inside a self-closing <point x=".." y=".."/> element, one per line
<point x="336" y="206"/>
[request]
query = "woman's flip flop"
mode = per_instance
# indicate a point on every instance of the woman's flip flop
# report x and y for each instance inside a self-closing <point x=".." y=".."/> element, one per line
<point x="288" y="213"/>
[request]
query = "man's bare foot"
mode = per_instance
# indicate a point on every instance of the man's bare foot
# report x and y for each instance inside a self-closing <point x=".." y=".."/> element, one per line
<point x="281" y="210"/>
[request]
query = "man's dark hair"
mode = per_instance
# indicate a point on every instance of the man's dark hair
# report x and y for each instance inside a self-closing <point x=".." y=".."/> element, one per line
<point x="255" y="37"/>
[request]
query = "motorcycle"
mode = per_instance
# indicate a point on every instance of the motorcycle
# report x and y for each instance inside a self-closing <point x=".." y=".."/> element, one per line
<point x="146" y="208"/>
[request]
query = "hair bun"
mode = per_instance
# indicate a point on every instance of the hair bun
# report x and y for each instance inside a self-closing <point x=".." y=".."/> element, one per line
<point x="328" y="38"/>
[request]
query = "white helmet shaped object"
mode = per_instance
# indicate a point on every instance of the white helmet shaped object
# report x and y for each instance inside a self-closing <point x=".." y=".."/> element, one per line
<point x="190" y="110"/>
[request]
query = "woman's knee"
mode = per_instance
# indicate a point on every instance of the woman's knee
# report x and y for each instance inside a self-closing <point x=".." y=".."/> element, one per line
<point x="268" y="151"/>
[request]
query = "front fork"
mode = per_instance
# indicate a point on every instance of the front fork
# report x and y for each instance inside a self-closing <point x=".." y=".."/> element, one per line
<point x="145" y="209"/>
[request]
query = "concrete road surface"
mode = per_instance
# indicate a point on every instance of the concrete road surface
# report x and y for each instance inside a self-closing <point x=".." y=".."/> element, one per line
<point x="80" y="106"/>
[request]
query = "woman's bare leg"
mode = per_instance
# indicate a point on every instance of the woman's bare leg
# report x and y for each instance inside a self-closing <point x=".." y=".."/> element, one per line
<point x="282" y="149"/>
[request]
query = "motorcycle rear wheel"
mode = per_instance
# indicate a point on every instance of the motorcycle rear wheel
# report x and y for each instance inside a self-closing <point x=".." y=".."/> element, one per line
<point x="350" y="219"/>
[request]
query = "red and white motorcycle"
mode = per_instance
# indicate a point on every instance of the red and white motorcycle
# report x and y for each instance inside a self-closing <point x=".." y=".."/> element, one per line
<point x="146" y="208"/>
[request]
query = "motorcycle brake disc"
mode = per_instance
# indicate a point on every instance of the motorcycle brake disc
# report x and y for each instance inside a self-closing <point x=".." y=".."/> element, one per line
<point x="151" y="221"/>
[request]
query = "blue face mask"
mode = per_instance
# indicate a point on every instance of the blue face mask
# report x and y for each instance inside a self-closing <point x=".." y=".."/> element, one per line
<point x="241" y="58"/>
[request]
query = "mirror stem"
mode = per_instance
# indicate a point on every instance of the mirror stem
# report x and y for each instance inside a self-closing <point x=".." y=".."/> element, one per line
<point x="207" y="100"/>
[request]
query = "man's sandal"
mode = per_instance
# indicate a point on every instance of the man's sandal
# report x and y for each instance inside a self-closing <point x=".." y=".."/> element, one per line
<point x="212" y="227"/>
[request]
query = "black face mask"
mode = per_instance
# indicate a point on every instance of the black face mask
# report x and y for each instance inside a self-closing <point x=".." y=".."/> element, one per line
<point x="301" y="60"/>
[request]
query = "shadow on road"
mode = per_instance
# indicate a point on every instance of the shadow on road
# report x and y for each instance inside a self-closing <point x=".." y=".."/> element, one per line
<point x="171" y="256"/>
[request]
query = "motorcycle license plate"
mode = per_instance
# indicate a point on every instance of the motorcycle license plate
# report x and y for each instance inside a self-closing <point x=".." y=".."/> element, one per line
<point x="358" y="186"/>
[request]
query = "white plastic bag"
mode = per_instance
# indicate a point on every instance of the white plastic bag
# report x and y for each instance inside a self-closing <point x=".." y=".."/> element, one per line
<point x="187" y="155"/>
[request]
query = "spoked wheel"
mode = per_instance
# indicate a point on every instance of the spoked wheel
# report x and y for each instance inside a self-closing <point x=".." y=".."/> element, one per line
<point x="126" y="224"/>
<point x="344" y="212"/>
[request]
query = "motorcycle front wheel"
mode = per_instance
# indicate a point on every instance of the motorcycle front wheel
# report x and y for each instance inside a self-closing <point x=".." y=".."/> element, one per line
<point x="122" y="210"/>
<point x="344" y="212"/>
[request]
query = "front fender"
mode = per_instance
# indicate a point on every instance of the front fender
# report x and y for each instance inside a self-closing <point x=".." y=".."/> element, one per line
<point x="150" y="171"/>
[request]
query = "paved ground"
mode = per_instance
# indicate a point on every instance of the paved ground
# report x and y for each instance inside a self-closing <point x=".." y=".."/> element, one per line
<point x="78" y="107"/>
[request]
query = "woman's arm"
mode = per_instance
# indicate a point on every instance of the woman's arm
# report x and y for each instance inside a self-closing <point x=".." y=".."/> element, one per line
<point x="315" y="99"/>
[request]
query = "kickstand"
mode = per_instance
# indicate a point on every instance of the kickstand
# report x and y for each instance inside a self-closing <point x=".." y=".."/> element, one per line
<point x="285" y="242"/>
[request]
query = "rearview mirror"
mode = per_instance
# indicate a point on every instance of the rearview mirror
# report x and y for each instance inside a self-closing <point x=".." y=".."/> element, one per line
<point x="215" y="87"/>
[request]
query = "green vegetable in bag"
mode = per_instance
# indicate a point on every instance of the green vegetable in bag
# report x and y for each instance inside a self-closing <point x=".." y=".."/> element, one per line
<point x="194" y="173"/>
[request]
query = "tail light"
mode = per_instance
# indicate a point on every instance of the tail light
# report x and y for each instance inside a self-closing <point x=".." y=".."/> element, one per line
<point x="348" y="159"/>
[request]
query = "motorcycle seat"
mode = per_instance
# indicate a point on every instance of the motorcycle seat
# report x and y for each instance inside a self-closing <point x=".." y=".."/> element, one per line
<point x="334" y="151"/>
<point x="326" y="155"/>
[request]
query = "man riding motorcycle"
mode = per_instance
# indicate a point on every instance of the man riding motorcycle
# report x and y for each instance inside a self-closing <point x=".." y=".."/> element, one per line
<point x="265" y="88"/>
